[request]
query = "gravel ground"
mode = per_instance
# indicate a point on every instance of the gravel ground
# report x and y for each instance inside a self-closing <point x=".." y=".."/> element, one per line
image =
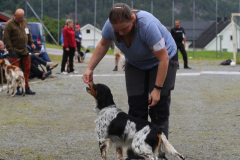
<point x="58" y="122"/>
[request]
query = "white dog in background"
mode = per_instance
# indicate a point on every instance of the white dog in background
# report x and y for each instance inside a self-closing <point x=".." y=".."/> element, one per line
<point x="14" y="74"/>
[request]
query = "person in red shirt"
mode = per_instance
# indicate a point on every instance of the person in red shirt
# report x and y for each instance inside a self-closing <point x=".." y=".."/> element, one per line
<point x="69" y="47"/>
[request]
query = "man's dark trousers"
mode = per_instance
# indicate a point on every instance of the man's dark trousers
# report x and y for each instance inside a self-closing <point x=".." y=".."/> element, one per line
<point x="181" y="48"/>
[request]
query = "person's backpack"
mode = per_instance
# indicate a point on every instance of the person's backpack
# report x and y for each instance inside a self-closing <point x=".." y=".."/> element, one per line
<point x="227" y="62"/>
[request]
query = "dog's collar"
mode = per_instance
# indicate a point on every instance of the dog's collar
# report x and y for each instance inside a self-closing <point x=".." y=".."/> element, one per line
<point x="99" y="112"/>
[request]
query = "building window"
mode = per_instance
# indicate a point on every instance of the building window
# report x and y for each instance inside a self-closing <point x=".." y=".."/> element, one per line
<point x="88" y="31"/>
<point x="221" y="37"/>
<point x="231" y="38"/>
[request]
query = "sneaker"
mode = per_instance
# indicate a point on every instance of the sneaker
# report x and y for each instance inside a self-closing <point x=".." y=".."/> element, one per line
<point x="28" y="91"/>
<point x="115" y="69"/>
<point x="18" y="91"/>
<point x="74" y="72"/>
<point x="49" y="64"/>
<point x="52" y="75"/>
<point x="45" y="75"/>
<point x="63" y="72"/>
<point x="187" y="67"/>
<point x="79" y="61"/>
<point x="54" y="65"/>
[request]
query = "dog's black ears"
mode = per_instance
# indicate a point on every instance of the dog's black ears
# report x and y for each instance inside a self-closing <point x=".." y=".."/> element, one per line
<point x="104" y="96"/>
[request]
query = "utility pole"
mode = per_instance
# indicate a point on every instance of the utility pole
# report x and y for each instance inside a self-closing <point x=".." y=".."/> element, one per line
<point x="172" y="14"/>
<point x="216" y="27"/>
<point x="26" y="9"/>
<point x="58" y="21"/>
<point x="94" y="22"/>
<point x="75" y="13"/>
<point x="152" y="7"/>
<point x="42" y="10"/>
<point x="193" y="28"/>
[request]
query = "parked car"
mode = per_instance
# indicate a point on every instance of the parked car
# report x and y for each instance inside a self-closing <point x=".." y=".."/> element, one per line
<point x="38" y="34"/>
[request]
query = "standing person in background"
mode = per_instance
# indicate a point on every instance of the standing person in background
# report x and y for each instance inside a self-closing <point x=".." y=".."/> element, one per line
<point x="61" y="38"/>
<point x="178" y="35"/>
<point x="78" y="38"/>
<point x="151" y="63"/>
<point x="69" y="46"/>
<point x="16" y="37"/>
<point x="116" y="52"/>
<point x="1" y="32"/>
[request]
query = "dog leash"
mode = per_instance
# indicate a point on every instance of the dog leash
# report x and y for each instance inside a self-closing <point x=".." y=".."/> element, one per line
<point x="16" y="60"/>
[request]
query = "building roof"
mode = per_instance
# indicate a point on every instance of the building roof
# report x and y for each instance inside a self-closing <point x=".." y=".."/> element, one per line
<point x="200" y="27"/>
<point x="4" y="17"/>
<point x="208" y="35"/>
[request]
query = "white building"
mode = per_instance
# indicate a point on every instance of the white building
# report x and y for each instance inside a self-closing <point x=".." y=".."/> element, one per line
<point x="224" y="40"/>
<point x="207" y="40"/>
<point x="88" y="36"/>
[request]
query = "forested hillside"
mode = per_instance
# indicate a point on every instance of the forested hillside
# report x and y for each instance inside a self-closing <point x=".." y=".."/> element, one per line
<point x="162" y="9"/>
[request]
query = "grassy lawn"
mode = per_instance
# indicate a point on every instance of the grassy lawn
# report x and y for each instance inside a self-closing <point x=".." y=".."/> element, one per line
<point x="208" y="55"/>
<point x="205" y="55"/>
<point x="48" y="45"/>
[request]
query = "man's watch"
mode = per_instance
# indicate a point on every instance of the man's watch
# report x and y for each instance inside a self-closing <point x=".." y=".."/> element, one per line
<point x="157" y="87"/>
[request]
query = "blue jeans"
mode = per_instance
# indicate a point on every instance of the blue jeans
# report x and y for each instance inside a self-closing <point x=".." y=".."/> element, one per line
<point x="45" y="57"/>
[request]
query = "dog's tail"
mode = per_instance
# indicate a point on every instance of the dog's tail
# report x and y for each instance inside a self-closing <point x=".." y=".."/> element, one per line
<point x="19" y="78"/>
<point x="168" y="148"/>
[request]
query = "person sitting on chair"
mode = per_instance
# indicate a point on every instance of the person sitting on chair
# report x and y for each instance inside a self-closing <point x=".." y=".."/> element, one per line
<point x="3" y="54"/>
<point x="35" y="61"/>
<point x="44" y="56"/>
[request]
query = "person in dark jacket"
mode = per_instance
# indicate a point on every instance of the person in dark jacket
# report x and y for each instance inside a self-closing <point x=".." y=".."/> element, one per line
<point x="16" y="37"/>
<point x="178" y="35"/>
<point x="78" y="38"/>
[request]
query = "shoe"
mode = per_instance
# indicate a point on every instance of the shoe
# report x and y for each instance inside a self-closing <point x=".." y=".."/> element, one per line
<point x="74" y="72"/>
<point x="52" y="75"/>
<point x="187" y="67"/>
<point x="45" y="75"/>
<point x="79" y="61"/>
<point x="28" y="91"/>
<point x="49" y="64"/>
<point x="63" y="72"/>
<point x="18" y="91"/>
<point x="115" y="69"/>
<point x="54" y="65"/>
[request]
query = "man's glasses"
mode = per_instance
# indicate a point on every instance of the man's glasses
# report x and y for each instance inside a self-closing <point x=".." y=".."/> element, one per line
<point x="19" y="18"/>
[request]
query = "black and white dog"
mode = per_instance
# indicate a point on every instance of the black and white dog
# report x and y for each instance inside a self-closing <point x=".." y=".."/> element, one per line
<point x="83" y="53"/>
<point x="113" y="126"/>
